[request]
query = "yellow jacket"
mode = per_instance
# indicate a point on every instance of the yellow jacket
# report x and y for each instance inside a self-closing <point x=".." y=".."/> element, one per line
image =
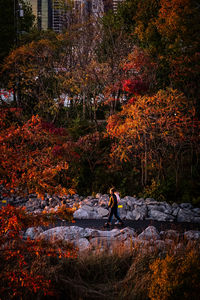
<point x="112" y="201"/>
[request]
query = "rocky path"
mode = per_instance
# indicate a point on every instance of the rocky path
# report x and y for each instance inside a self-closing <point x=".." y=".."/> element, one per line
<point x="138" y="226"/>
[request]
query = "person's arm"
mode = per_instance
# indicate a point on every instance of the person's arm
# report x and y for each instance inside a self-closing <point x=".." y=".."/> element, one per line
<point x="110" y="201"/>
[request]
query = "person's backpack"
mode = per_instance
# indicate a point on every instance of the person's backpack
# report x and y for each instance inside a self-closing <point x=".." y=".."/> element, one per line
<point x="118" y="197"/>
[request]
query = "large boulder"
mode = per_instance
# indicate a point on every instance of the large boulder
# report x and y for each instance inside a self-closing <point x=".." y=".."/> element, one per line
<point x="135" y="215"/>
<point x="196" y="211"/>
<point x="66" y="233"/>
<point x="82" y="244"/>
<point x="103" y="212"/>
<point x="87" y="208"/>
<point x="192" y="235"/>
<point x="175" y="211"/>
<point x="185" y="215"/>
<point x="140" y="212"/>
<point x="128" y="232"/>
<point x="170" y="234"/>
<point x="94" y="215"/>
<point x="106" y="233"/>
<point x="81" y="214"/>
<point x="162" y="207"/>
<point x="129" y="215"/>
<point x="149" y="233"/>
<point x="131" y="201"/>
<point x="33" y="232"/>
<point x="160" y="216"/>
<point x="101" y="243"/>
<point x="186" y="205"/>
<point x="196" y="219"/>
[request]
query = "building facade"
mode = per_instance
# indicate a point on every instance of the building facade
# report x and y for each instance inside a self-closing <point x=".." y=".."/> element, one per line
<point x="49" y="14"/>
<point x="115" y="4"/>
<point x="54" y="14"/>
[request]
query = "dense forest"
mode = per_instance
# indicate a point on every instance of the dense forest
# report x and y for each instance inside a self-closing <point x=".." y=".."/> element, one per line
<point x="110" y="101"/>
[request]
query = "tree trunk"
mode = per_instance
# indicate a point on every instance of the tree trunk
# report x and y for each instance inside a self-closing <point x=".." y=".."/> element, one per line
<point x="145" y="159"/>
<point x="84" y="106"/>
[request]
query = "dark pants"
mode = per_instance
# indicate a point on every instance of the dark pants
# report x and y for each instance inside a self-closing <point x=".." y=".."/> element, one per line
<point x="114" y="212"/>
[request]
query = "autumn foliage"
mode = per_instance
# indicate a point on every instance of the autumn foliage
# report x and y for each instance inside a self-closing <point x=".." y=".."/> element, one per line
<point x="29" y="159"/>
<point x="18" y="255"/>
<point x="152" y="129"/>
<point x="175" y="277"/>
<point x="115" y="99"/>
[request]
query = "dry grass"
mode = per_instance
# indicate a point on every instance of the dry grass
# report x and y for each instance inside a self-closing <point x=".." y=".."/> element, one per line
<point x="125" y="275"/>
<point x="130" y="271"/>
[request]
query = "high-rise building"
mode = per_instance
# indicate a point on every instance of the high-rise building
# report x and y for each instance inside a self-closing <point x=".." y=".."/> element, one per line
<point x="42" y="9"/>
<point x="50" y="14"/>
<point x="115" y="4"/>
<point x="58" y="15"/>
<point x="53" y="14"/>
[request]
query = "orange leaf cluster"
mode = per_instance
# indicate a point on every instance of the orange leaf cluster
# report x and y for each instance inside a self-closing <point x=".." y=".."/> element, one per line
<point x="17" y="254"/>
<point x="27" y="157"/>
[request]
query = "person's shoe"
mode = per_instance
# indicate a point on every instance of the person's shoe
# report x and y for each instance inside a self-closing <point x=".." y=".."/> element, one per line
<point x="107" y="224"/>
<point x="121" y="223"/>
<point x="116" y="223"/>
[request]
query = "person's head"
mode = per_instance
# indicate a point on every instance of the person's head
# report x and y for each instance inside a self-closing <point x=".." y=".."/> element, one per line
<point x="112" y="190"/>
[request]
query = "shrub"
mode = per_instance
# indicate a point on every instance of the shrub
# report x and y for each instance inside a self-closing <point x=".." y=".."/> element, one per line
<point x="176" y="277"/>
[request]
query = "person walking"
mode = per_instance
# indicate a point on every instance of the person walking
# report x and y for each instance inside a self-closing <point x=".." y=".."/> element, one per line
<point x="118" y="200"/>
<point x="113" y="205"/>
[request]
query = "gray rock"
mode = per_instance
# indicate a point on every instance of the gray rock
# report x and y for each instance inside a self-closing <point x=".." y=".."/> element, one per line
<point x="142" y="211"/>
<point x="63" y="233"/>
<point x="156" y="206"/>
<point x="128" y="245"/>
<point x="81" y="214"/>
<point x="94" y="215"/>
<point x="129" y="216"/>
<point x="87" y="208"/>
<point x="123" y="215"/>
<point x="100" y="242"/>
<point x="162" y="207"/>
<point x="102" y="212"/>
<point x="83" y="244"/>
<point x="141" y="243"/>
<point x="186" y="205"/>
<point x="136" y="215"/>
<point x="192" y="235"/>
<point x="159" y="244"/>
<point x="169" y="234"/>
<point x="149" y="200"/>
<point x="130" y="204"/>
<point x="196" y="219"/>
<point x="149" y="233"/>
<point x="175" y="211"/>
<point x="196" y="210"/>
<point x="108" y="234"/>
<point x="33" y="232"/>
<point x="37" y="211"/>
<point x="168" y="208"/>
<point x="160" y="216"/>
<point x="185" y="215"/>
<point x="128" y="232"/>
<point x="130" y="201"/>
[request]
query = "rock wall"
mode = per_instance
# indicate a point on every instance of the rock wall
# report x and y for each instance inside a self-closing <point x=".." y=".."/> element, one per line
<point x="88" y="239"/>
<point x="96" y="208"/>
